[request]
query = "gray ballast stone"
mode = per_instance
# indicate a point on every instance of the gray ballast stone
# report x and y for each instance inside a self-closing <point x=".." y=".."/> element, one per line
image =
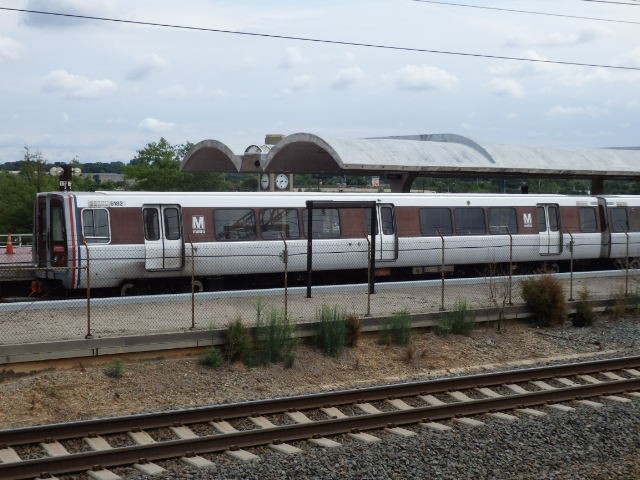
<point x="601" y="443"/>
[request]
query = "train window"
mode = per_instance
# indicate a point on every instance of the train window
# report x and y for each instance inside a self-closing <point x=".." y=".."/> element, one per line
<point x="542" y="219"/>
<point x="587" y="216"/>
<point x="95" y="225"/>
<point x="58" y="232"/>
<point x="386" y="218"/>
<point x="435" y="221"/>
<point x="276" y="221"/>
<point x="172" y="223"/>
<point x="469" y="221"/>
<point x="151" y="224"/>
<point x="503" y="220"/>
<point x="553" y="218"/>
<point x="634" y="219"/>
<point x="326" y="223"/>
<point x="235" y="224"/>
<point x="619" y="222"/>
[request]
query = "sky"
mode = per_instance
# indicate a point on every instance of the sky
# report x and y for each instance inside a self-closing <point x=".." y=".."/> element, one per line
<point x="99" y="91"/>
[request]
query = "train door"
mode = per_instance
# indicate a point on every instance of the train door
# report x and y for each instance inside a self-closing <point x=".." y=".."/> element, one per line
<point x="164" y="248"/>
<point x="386" y="240"/>
<point x="50" y="242"/>
<point x="549" y="228"/>
<point x="605" y="248"/>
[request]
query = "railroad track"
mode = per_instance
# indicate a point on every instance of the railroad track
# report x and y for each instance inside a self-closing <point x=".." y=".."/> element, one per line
<point x="95" y="446"/>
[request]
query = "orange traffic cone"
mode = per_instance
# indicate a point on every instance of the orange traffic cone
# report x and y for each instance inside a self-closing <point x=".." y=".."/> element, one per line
<point x="9" y="249"/>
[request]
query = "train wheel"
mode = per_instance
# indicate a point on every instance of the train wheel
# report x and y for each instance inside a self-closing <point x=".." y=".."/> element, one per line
<point x="126" y="289"/>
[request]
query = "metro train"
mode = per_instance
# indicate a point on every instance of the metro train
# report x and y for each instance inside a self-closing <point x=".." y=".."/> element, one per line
<point x="136" y="241"/>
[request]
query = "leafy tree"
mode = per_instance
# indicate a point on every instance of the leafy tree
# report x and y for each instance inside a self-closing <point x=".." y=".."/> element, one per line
<point x="157" y="168"/>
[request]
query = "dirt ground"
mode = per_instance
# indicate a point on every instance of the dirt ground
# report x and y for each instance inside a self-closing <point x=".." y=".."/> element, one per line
<point x="84" y="391"/>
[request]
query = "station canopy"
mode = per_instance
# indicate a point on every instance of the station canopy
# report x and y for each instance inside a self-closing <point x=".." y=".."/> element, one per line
<point x="403" y="158"/>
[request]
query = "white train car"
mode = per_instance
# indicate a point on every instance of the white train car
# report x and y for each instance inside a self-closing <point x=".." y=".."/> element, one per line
<point x="149" y="238"/>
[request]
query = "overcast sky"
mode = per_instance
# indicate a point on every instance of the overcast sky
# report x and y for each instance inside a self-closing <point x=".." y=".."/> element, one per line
<point x="100" y="91"/>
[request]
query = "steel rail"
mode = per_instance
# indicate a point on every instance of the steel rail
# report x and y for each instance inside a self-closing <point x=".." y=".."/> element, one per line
<point x="252" y="438"/>
<point x="100" y="426"/>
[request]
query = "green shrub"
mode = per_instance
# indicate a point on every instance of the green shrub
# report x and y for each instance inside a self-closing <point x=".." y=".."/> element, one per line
<point x="396" y="330"/>
<point x="460" y="321"/>
<point x="238" y="341"/>
<point x="545" y="298"/>
<point x="354" y="328"/>
<point x="115" y="369"/>
<point x="212" y="357"/>
<point x="585" y="314"/>
<point x="273" y="339"/>
<point x="332" y="329"/>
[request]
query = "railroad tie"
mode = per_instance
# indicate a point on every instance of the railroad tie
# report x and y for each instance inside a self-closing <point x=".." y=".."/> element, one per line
<point x="54" y="449"/>
<point x="487" y="392"/>
<point x="460" y="396"/>
<point x="103" y="474"/>
<point x="9" y="455"/>
<point x="239" y="454"/>
<point x="567" y="382"/>
<point x="612" y="376"/>
<point x="431" y="400"/>
<point x="185" y="433"/>
<point x="301" y="418"/>
<point x="143" y="438"/>
<point x="589" y="379"/>
<point x="633" y="371"/>
<point x="97" y="443"/>
<point x="286" y="448"/>
<point x="333" y="412"/>
<point x="557" y="406"/>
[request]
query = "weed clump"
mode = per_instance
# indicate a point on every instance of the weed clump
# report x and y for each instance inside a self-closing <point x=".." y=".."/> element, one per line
<point x="332" y="329"/>
<point x="238" y="341"/>
<point x="354" y="328"/>
<point x="273" y="340"/>
<point x="115" y="369"/>
<point x="460" y="321"/>
<point x="396" y="330"/>
<point x="212" y="357"/>
<point x="585" y="313"/>
<point x="545" y="298"/>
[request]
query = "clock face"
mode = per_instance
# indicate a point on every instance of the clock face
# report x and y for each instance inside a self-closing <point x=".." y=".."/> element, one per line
<point x="264" y="181"/>
<point x="282" y="181"/>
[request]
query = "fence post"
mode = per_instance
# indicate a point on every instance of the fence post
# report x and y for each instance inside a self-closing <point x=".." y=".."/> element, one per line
<point x="626" y="274"/>
<point x="285" y="259"/>
<point x="442" y="272"/>
<point x="193" y="286"/>
<point x="368" y="314"/>
<point x="88" y="273"/>
<point x="571" y="268"/>
<point x="510" y="264"/>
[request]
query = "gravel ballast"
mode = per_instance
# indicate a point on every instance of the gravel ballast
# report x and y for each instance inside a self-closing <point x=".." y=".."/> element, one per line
<point x="591" y="443"/>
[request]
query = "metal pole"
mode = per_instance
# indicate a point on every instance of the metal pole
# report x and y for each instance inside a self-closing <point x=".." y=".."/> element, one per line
<point x="510" y="264"/>
<point x="442" y="272"/>
<point x="626" y="275"/>
<point x="285" y="258"/>
<point x="368" y="314"/>
<point x="571" y="268"/>
<point x="193" y="287"/>
<point x="309" y="245"/>
<point x="88" y="273"/>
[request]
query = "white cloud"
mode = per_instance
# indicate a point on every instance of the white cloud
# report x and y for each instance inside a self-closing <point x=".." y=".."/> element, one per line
<point x="146" y="65"/>
<point x="413" y="77"/>
<point x="629" y="59"/>
<point x="634" y="104"/>
<point x="347" y="77"/>
<point x="65" y="117"/>
<point x="523" y="68"/>
<point x="293" y="57"/>
<point x="301" y="82"/>
<point x="104" y="8"/>
<point x="174" y="91"/>
<point x="506" y="87"/>
<point x="587" y="34"/>
<point x="76" y="86"/>
<point x="586" y="111"/>
<point x="9" y="48"/>
<point x="154" y="125"/>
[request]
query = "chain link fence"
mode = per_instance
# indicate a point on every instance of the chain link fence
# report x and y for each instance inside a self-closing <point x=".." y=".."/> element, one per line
<point x="341" y="275"/>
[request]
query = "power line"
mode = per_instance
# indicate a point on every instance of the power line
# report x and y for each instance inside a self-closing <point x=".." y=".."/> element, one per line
<point x="531" y="12"/>
<point x="612" y="2"/>
<point x="319" y="40"/>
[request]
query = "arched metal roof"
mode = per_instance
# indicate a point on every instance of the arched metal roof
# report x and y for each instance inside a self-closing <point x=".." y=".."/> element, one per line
<point x="444" y="154"/>
<point x="211" y="156"/>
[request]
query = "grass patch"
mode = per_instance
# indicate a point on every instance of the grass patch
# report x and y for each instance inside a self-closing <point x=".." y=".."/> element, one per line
<point x="460" y="321"/>
<point x="396" y="330"/>
<point x="332" y="330"/>
<point x="238" y="340"/>
<point x="585" y="313"/>
<point x="115" y="369"/>
<point x="212" y="357"/>
<point x="273" y="339"/>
